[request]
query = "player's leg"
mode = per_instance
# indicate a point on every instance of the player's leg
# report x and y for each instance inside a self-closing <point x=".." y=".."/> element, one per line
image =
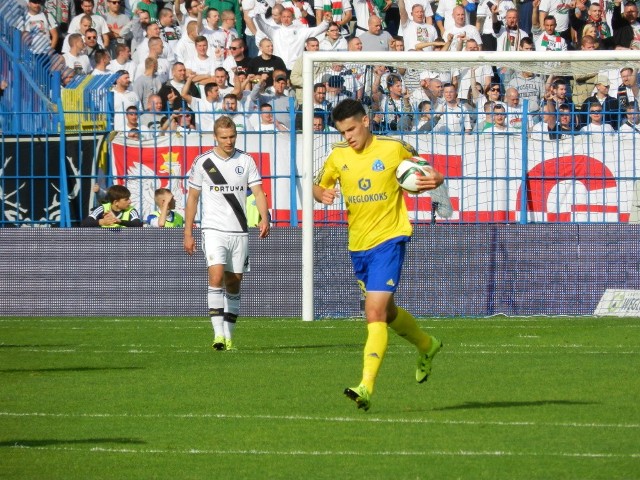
<point x="214" y="252"/>
<point x="231" y="306"/>
<point x="237" y="264"/>
<point x="379" y="270"/>
<point x="405" y="325"/>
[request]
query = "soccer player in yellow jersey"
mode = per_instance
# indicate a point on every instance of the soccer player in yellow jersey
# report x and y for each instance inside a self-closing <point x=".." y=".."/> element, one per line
<point x="379" y="228"/>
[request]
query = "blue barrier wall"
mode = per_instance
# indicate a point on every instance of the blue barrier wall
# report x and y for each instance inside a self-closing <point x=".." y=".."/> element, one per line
<point x="450" y="270"/>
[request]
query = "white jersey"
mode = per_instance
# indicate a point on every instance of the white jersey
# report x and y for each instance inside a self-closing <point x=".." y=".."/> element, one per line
<point x="223" y="184"/>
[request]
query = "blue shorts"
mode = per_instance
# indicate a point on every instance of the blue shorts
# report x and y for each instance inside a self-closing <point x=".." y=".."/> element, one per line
<point x="378" y="269"/>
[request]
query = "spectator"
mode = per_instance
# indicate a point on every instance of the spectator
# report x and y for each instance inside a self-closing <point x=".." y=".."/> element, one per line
<point x="194" y="10"/>
<point x="302" y="12"/>
<point x="566" y="124"/>
<point x="628" y="90"/>
<point x="489" y="13"/>
<point x="425" y="121"/>
<point x="203" y="65"/>
<point x="210" y="24"/>
<point x="530" y="86"/>
<point x="515" y="111"/>
<point x="375" y="39"/>
<point x="595" y="123"/>
<point x="266" y="63"/>
<point x="251" y="8"/>
<point x="122" y="61"/>
<point x="206" y="107"/>
<point x="626" y="28"/>
<point x="436" y="93"/>
<point x="333" y="41"/>
<point x="232" y="6"/>
<point x="558" y="93"/>
<point x="123" y="98"/>
<point x="185" y="50"/>
<point x="62" y="12"/>
<point x="453" y="14"/>
<point x="148" y="6"/>
<point x="152" y="119"/>
<point x="230" y="109"/>
<point x="609" y="106"/>
<point x="74" y="58"/>
<point x="91" y="45"/>
<point x="456" y="115"/>
<point x="465" y="77"/>
<point x="171" y="98"/>
<point x="365" y="9"/>
<point x="559" y="10"/>
<point x="547" y="38"/>
<point x="119" y="25"/>
<point x="288" y="39"/>
<point x="335" y="90"/>
<point x="221" y="77"/>
<point x="84" y="25"/>
<point x="416" y="29"/>
<point x="460" y="29"/>
<point x="165" y="215"/>
<point x="97" y="22"/>
<point x="132" y="127"/>
<point x="236" y="59"/>
<point x="148" y="83"/>
<point x="156" y="50"/>
<point x="591" y="16"/>
<point x="510" y="34"/>
<point x="181" y="122"/>
<point x="341" y="14"/>
<point x="396" y="106"/>
<point x="494" y="119"/>
<point x="541" y="130"/>
<point x="170" y="31"/>
<point x="267" y="122"/>
<point x="117" y="212"/>
<point x="226" y="34"/>
<point x="310" y="45"/>
<point x="175" y="85"/>
<point x="102" y="59"/>
<point x="632" y="123"/>
<point x="279" y="99"/>
<point x="42" y="27"/>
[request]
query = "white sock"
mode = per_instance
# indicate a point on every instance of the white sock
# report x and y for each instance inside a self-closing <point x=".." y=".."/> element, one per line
<point x="231" y="310"/>
<point x="215" y="301"/>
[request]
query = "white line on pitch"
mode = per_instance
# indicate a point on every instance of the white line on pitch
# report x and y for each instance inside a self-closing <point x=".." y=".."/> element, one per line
<point x="321" y="419"/>
<point x="346" y="453"/>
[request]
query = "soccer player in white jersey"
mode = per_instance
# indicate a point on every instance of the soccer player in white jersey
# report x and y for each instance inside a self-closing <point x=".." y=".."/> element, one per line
<point x="221" y="176"/>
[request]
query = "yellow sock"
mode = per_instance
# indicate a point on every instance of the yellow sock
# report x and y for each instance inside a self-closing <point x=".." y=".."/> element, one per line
<point x="374" y="350"/>
<point x="406" y="326"/>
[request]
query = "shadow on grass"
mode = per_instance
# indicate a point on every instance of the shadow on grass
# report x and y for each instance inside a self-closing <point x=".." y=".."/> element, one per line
<point x="537" y="403"/>
<point x="64" y="369"/>
<point x="48" y="442"/>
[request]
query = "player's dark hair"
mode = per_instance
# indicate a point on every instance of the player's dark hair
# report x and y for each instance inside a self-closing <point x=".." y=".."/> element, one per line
<point x="348" y="108"/>
<point x="117" y="192"/>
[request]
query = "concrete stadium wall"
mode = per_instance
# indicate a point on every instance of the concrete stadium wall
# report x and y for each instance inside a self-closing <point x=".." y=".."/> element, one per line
<point x="450" y="270"/>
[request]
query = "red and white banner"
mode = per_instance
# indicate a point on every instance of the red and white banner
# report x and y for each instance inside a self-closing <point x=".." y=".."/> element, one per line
<point x="580" y="178"/>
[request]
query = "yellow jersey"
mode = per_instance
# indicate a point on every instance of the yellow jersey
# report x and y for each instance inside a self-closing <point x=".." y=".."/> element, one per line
<point x="376" y="211"/>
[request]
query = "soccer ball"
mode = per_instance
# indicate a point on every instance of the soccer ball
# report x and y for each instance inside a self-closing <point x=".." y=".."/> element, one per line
<point x="408" y="171"/>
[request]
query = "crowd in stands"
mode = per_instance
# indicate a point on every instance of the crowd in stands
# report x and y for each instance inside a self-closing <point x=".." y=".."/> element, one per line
<point x="182" y="63"/>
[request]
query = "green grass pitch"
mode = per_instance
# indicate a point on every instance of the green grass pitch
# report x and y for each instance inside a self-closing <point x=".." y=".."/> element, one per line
<point x="138" y="398"/>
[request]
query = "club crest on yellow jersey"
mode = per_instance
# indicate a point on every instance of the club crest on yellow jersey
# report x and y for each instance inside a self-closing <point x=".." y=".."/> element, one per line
<point x="364" y="184"/>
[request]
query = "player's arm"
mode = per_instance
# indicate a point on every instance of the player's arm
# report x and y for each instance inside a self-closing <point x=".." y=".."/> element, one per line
<point x="325" y="195"/>
<point x="189" y="216"/>
<point x="263" y="208"/>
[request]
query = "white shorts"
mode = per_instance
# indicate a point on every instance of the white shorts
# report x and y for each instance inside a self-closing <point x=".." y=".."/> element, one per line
<point x="232" y="251"/>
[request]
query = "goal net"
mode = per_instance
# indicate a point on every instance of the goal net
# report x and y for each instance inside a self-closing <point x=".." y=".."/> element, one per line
<point x="512" y="170"/>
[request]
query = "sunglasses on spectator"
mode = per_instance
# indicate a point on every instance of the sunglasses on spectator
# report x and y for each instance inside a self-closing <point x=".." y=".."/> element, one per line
<point x="494" y="89"/>
<point x="595" y="111"/>
<point x="235" y="48"/>
<point x="91" y="38"/>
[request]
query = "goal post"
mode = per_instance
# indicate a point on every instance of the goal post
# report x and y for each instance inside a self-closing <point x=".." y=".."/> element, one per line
<point x="547" y="63"/>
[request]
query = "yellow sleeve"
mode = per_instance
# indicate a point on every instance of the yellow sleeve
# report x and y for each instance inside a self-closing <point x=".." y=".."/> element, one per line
<point x="328" y="174"/>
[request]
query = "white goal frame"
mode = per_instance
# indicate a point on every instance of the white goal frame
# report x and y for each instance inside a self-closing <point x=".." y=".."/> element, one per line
<point x="592" y="59"/>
